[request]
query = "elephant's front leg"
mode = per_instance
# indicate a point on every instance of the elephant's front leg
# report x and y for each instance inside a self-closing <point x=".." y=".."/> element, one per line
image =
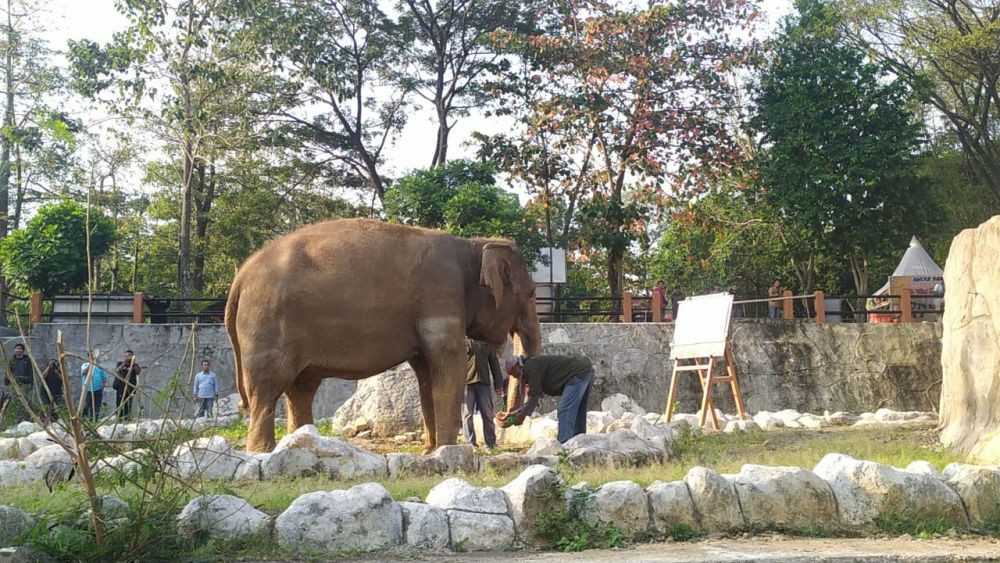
<point x="444" y="347"/>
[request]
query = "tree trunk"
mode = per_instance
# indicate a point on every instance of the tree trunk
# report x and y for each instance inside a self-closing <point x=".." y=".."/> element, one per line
<point x="184" y="254"/>
<point x="206" y="195"/>
<point x="8" y="122"/>
<point x="441" y="147"/>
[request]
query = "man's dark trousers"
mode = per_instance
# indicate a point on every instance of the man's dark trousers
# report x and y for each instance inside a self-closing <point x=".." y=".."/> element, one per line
<point x="479" y="396"/>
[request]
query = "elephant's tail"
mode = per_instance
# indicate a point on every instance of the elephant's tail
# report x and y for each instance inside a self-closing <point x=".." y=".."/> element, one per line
<point x="232" y="305"/>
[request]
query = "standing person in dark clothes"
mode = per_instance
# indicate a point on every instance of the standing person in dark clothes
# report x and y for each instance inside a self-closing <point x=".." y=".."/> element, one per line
<point x="126" y="382"/>
<point x="568" y="377"/>
<point x="52" y="394"/>
<point x="483" y="363"/>
<point x="23" y="372"/>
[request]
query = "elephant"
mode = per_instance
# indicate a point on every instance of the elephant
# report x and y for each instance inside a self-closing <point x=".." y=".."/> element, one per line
<point x="351" y="298"/>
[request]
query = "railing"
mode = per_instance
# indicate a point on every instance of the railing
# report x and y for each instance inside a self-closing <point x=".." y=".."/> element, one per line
<point x="627" y="308"/>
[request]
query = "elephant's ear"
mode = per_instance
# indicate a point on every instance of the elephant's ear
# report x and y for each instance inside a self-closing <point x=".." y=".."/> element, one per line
<point x="495" y="271"/>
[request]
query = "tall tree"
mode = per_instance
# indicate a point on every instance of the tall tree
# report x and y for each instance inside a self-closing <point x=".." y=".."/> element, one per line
<point x="29" y="126"/>
<point x="183" y="70"/>
<point x="949" y="51"/>
<point x="841" y="146"/>
<point x="339" y="57"/>
<point x="450" y="60"/>
<point x="640" y="96"/>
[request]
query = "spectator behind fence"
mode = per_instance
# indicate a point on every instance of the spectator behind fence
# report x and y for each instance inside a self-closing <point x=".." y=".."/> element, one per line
<point x="52" y="393"/>
<point x="774" y="305"/>
<point x="675" y="298"/>
<point x="23" y="372"/>
<point x="94" y="384"/>
<point x="206" y="389"/>
<point x="126" y="382"/>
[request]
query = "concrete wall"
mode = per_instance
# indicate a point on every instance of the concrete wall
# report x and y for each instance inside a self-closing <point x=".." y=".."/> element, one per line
<point x="803" y="366"/>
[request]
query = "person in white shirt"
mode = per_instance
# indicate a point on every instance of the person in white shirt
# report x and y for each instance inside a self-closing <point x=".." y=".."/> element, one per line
<point x="206" y="389"/>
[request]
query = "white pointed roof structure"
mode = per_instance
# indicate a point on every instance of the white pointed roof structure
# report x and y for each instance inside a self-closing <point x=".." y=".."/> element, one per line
<point x="917" y="263"/>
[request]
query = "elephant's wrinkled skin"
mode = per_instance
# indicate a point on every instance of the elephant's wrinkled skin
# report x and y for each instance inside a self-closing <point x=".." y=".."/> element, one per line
<point x="352" y="298"/>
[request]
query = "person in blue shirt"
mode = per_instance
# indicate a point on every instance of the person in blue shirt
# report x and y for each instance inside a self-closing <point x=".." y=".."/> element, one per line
<point x="206" y="389"/>
<point x="93" y="383"/>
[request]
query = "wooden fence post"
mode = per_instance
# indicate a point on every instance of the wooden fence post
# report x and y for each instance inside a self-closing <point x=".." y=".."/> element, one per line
<point x="657" y="305"/>
<point x="905" y="306"/>
<point x="787" y="306"/>
<point x="820" y="304"/>
<point x="37" y="306"/>
<point x="137" y="303"/>
<point x="626" y="306"/>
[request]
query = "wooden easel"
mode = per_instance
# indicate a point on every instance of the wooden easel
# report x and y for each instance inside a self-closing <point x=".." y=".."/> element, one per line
<point x="704" y="368"/>
<point x="700" y="343"/>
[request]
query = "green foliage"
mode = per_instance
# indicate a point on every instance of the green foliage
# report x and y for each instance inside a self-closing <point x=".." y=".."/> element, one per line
<point x="462" y="198"/>
<point x="50" y="253"/>
<point x="567" y="531"/>
<point x="841" y="162"/>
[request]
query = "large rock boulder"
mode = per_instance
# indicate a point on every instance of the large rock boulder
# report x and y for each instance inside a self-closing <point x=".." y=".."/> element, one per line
<point x="785" y="498"/>
<point x="362" y="518"/>
<point x="210" y="458"/>
<point x="869" y="492"/>
<point x="223" y="517"/>
<point x="622" y="503"/>
<point x="307" y="452"/>
<point x="671" y="508"/>
<point x="970" y="355"/>
<point x="621" y="447"/>
<point x="979" y="488"/>
<point x="389" y="402"/>
<point x="618" y="404"/>
<point x="13" y="473"/>
<point x="536" y="491"/>
<point x="424" y="526"/>
<point x="479" y="518"/>
<point x="715" y="500"/>
<point x="14" y="524"/>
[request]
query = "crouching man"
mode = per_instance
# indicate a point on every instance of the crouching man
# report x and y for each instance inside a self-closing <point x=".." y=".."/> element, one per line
<point x="568" y="377"/>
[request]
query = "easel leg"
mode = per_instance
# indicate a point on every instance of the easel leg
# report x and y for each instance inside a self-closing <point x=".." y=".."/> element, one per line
<point x="672" y="395"/>
<point x="706" y="399"/>
<point x="734" y="384"/>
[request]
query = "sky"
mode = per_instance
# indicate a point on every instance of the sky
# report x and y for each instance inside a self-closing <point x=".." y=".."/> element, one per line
<point x="98" y="20"/>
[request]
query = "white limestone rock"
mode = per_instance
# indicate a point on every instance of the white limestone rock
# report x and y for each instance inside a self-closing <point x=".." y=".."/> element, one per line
<point x="924" y="468"/>
<point x="210" y="457"/>
<point x="622" y="503"/>
<point x="307" y="452"/>
<point x="866" y="490"/>
<point x="841" y="418"/>
<point x="979" y="489"/>
<point x="458" y="494"/>
<point x="424" y="526"/>
<point x="223" y="517"/>
<point x="14" y="473"/>
<point x="619" y="404"/>
<point x="784" y="498"/>
<point x="14" y="524"/>
<point x="52" y="458"/>
<point x="537" y="490"/>
<point x="671" y="506"/>
<point x="481" y="532"/>
<point x="546" y="446"/>
<point x="622" y="447"/>
<point x="598" y="421"/>
<point x="362" y="518"/>
<point x="22" y="429"/>
<point x="715" y="500"/>
<point x="740" y="426"/>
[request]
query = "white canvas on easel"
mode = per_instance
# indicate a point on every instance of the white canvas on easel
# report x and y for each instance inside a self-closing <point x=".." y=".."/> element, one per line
<point x="701" y="339"/>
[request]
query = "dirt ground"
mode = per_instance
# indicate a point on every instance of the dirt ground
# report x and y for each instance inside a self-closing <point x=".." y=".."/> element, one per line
<point x="769" y="549"/>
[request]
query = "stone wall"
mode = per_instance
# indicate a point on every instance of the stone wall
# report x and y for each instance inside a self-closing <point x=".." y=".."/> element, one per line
<point x="970" y="418"/>
<point x="782" y="365"/>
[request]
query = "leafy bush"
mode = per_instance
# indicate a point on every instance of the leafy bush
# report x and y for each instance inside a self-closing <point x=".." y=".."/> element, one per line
<point x="50" y="253"/>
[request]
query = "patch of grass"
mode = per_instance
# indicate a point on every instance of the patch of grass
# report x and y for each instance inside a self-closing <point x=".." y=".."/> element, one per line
<point x="923" y="528"/>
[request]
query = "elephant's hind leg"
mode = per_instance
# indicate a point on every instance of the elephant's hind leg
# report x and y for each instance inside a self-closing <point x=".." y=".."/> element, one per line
<point x="299" y="401"/>
<point x="264" y="384"/>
